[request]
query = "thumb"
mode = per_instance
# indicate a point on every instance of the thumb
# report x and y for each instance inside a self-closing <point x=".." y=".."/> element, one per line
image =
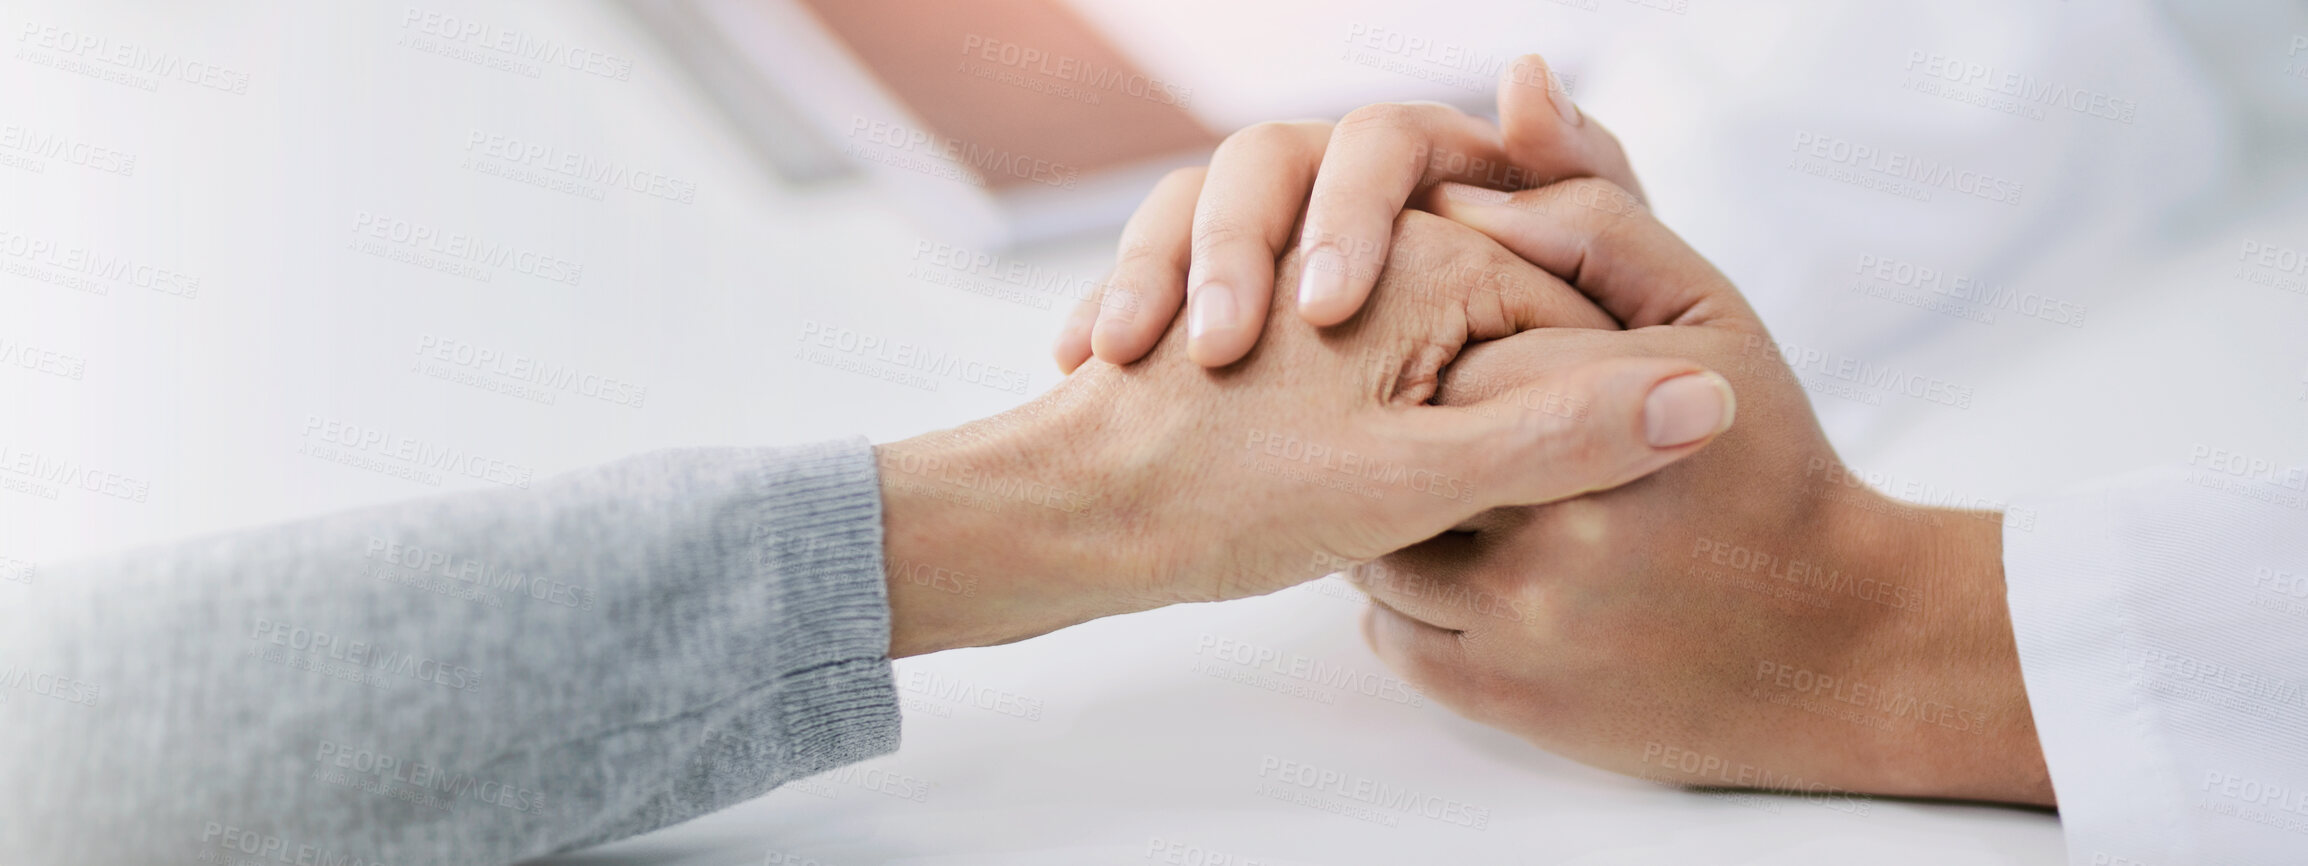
<point x="1576" y="430"/>
<point x="1545" y="134"/>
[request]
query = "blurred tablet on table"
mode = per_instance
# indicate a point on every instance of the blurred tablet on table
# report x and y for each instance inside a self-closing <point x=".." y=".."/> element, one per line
<point x="1008" y="121"/>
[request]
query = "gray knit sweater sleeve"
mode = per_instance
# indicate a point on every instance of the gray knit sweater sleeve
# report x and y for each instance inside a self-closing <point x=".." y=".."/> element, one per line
<point x="475" y="678"/>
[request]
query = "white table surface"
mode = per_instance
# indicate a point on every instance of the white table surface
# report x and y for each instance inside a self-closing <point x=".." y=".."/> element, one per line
<point x="1123" y="741"/>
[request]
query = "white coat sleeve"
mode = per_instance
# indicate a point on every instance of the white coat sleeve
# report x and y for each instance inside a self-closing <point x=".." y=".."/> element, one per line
<point x="2162" y="621"/>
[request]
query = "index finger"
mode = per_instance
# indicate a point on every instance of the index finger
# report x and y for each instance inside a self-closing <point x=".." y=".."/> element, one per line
<point x="1602" y="240"/>
<point x="1378" y="155"/>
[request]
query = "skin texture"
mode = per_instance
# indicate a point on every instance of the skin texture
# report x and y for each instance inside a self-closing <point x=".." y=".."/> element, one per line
<point x="1127" y="488"/>
<point x="1745" y="618"/>
<point x="1348" y="180"/>
<point x="1749" y="618"/>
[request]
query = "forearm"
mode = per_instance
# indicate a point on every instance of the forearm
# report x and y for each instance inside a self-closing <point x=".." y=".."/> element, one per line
<point x="1946" y="660"/>
<point x="995" y="534"/>
<point x="476" y="678"/>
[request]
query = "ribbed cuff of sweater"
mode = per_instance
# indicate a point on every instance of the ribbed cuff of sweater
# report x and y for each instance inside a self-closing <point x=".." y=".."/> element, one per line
<point x="820" y="534"/>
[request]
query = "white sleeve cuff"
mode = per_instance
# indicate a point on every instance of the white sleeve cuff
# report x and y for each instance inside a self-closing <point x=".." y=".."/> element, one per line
<point x="2162" y="623"/>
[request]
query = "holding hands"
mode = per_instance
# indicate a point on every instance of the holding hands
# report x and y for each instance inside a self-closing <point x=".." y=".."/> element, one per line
<point x="1743" y="607"/>
<point x="1737" y="619"/>
<point x="1348" y="180"/>
<point x="1163" y="482"/>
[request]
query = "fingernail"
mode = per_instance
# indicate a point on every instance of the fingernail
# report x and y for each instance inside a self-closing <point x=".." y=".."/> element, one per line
<point x="1560" y="95"/>
<point x="1686" y="409"/>
<point x="1472" y="194"/>
<point x="1324" y="281"/>
<point x="1214" y="310"/>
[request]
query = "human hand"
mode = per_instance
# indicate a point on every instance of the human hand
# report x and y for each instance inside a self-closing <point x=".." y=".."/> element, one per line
<point x="1349" y="179"/>
<point x="1127" y="488"/>
<point x="1745" y="618"/>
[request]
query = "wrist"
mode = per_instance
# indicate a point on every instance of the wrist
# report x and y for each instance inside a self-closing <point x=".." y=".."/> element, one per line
<point x="1950" y="660"/>
<point x="989" y="534"/>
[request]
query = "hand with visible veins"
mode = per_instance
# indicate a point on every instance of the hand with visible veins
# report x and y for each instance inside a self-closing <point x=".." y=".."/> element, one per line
<point x="1742" y="618"/>
<point x="1131" y="487"/>
<point x="1349" y="180"/>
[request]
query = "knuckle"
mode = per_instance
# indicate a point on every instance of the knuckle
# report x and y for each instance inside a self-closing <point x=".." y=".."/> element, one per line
<point x="1434" y="665"/>
<point x="1137" y="268"/>
<point x="1139" y="255"/>
<point x="1191" y="175"/>
<point x="1602" y="198"/>
<point x="1269" y="136"/>
<point x="1574" y="449"/>
<point x="1217" y="230"/>
<point x="1452" y="675"/>
<point x="1443" y="255"/>
<point x="1387" y="118"/>
<point x="1595" y="187"/>
<point x="1423" y="239"/>
<point x="1418" y="226"/>
<point x="1115" y="303"/>
<point x="1609" y="141"/>
<point x="1607" y="146"/>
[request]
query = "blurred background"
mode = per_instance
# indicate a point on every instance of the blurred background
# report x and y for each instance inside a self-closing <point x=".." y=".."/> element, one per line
<point x="520" y="238"/>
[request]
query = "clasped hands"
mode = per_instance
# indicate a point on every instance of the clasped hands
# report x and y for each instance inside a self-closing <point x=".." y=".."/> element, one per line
<point x="1468" y="359"/>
